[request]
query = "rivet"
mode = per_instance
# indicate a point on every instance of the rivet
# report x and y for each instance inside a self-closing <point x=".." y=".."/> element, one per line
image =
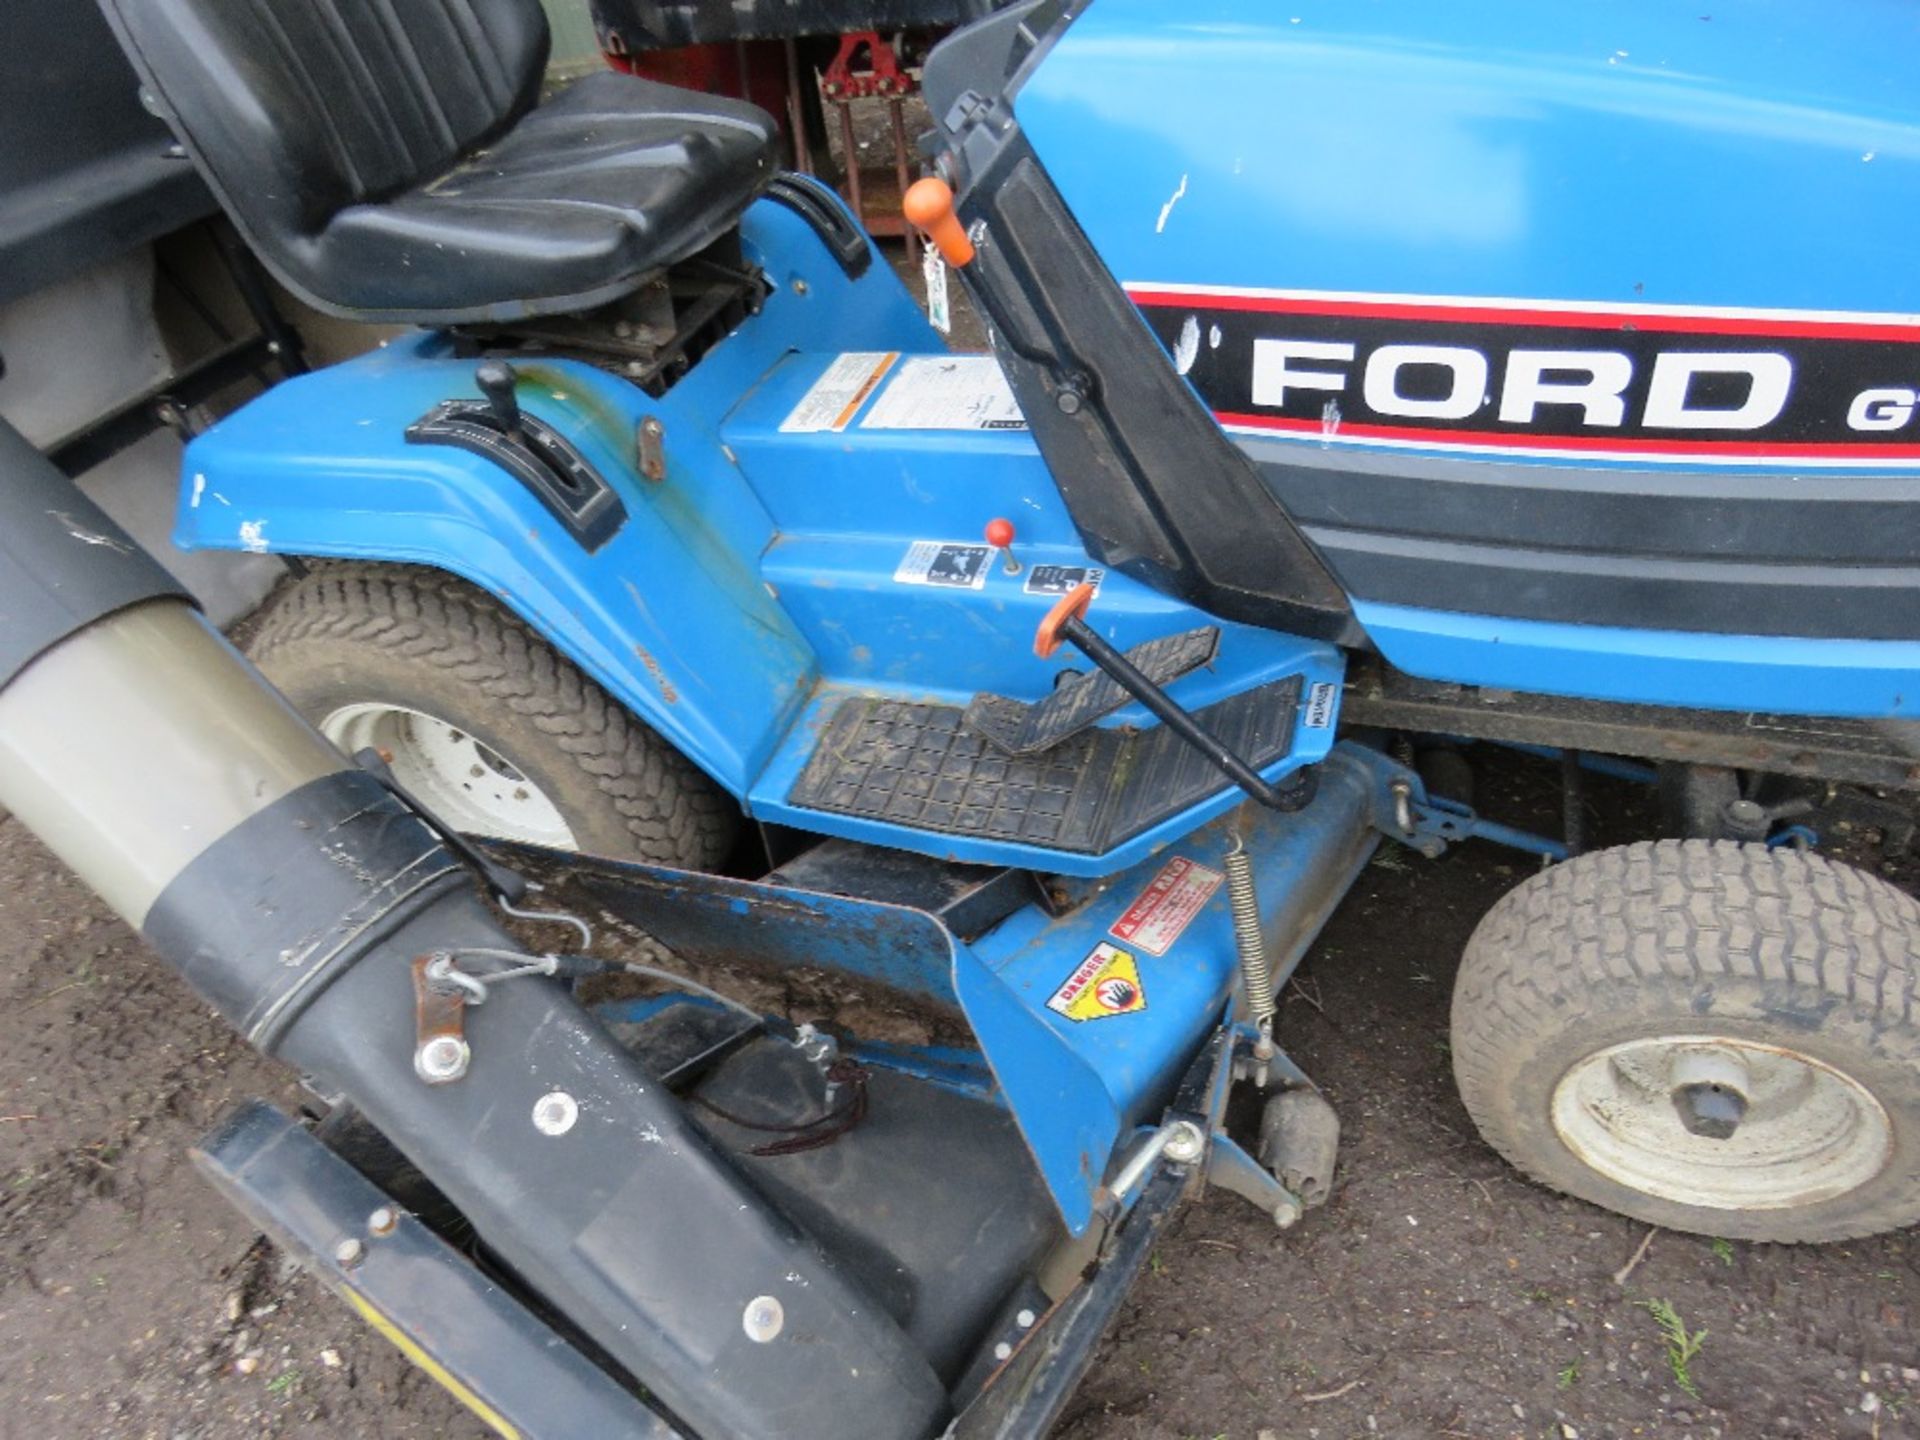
<point x="383" y="1221"/>
<point x="1025" y="1319"/>
<point x="1003" y="1351"/>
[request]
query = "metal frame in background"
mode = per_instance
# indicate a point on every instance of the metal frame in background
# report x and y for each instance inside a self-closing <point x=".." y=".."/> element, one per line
<point x="166" y="404"/>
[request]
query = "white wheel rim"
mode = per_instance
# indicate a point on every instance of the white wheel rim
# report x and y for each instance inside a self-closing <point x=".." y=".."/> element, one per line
<point x="471" y="787"/>
<point x="1810" y="1132"/>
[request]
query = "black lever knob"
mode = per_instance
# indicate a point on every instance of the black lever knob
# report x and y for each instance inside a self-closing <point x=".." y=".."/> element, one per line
<point x="496" y="381"/>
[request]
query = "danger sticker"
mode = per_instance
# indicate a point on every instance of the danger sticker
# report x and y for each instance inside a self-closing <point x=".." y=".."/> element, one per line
<point x="936" y="562"/>
<point x="835" y="398"/>
<point x="1167" y="906"/>
<point x="1320" y="705"/>
<point x="1104" y="984"/>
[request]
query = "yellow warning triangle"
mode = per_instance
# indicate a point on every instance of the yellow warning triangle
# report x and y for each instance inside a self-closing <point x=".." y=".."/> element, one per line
<point x="1105" y="984"/>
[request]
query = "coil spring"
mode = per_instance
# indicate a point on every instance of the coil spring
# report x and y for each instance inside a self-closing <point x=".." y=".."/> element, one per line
<point x="1247" y="937"/>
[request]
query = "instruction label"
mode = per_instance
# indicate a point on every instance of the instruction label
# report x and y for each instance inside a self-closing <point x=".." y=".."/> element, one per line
<point x="1320" y="700"/>
<point x="1167" y="906"/>
<point x="835" y="398"/>
<point x="946" y="392"/>
<point x="938" y="562"/>
<point x="1105" y="984"/>
<point x="1059" y="579"/>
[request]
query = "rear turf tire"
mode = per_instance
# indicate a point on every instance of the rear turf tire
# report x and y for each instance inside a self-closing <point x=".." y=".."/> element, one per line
<point x="352" y="639"/>
<point x="1595" y="986"/>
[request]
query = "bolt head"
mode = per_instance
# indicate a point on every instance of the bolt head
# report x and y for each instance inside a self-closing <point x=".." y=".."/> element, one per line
<point x="349" y="1252"/>
<point x="442" y="1060"/>
<point x="1286" y="1215"/>
<point x="763" y="1319"/>
<point x="1187" y="1144"/>
<point x="383" y="1221"/>
<point x="555" y="1113"/>
<point x="1069" y="402"/>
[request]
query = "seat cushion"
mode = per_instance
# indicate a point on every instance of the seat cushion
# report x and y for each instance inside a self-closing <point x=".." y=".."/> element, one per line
<point x="575" y="204"/>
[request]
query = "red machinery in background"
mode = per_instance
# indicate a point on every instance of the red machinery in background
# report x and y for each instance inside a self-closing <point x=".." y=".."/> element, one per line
<point x="799" y="61"/>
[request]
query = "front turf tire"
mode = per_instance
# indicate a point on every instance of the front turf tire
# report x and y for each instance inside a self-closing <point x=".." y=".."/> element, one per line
<point x="353" y="637"/>
<point x="1597" y="1000"/>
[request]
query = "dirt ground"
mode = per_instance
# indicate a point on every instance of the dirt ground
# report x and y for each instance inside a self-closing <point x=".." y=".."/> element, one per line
<point x="1437" y="1294"/>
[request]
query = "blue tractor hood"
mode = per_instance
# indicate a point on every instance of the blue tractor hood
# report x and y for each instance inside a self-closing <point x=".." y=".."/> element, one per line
<point x="1582" y="342"/>
<point x="1762" y="155"/>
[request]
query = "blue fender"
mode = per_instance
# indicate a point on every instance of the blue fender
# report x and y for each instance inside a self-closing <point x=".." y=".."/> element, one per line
<point x="670" y="615"/>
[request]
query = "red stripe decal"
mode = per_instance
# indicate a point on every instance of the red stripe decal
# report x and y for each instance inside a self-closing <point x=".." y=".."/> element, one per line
<point x="1600" y="444"/>
<point x="1621" y="318"/>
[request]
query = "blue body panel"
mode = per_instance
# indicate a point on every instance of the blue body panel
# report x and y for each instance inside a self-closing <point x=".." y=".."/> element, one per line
<point x="1762" y="159"/>
<point x="754" y="588"/>
<point x="671" y="615"/>
<point x="1741" y="672"/>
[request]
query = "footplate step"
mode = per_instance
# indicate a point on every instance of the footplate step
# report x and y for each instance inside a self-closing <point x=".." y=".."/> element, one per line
<point x="1079" y="701"/>
<point x="922" y="766"/>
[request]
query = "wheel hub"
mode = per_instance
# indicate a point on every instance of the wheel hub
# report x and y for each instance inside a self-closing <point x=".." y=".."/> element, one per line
<point x="1721" y="1123"/>
<point x="467" y="784"/>
<point x="1710" y="1085"/>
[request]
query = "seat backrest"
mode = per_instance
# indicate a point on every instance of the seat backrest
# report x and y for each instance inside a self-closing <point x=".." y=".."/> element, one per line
<point x="295" y="109"/>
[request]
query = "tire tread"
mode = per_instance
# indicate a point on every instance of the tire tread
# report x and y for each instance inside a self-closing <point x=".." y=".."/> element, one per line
<point x="674" y="813"/>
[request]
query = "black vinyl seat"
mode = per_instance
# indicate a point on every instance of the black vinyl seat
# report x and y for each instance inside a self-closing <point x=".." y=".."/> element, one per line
<point x="387" y="159"/>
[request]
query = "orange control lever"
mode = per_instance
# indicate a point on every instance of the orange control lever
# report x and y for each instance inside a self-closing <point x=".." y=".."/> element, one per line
<point x="1071" y="606"/>
<point x="929" y="204"/>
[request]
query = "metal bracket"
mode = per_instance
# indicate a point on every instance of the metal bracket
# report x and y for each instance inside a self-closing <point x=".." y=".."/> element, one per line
<point x="1233" y="1169"/>
<point x="441" y="1053"/>
<point x="1404" y="811"/>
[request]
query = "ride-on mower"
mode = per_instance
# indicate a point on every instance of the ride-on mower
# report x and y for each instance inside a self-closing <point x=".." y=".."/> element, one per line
<point x="1364" y="380"/>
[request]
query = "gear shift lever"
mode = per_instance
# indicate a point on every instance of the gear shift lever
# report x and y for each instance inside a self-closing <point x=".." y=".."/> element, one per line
<point x="496" y="381"/>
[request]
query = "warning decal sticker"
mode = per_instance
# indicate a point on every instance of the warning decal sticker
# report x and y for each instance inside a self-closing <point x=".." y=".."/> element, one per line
<point x="935" y="562"/>
<point x="835" y="398"/>
<point x="1167" y="906"/>
<point x="946" y="392"/>
<point x="1059" y="579"/>
<point x="1104" y="984"/>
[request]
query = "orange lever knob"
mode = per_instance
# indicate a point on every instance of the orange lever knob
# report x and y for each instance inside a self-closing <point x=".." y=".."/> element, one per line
<point x="1070" y="606"/>
<point x="929" y="205"/>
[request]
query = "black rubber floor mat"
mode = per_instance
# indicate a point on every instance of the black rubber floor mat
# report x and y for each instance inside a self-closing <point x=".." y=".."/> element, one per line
<point x="1022" y="729"/>
<point x="920" y="766"/>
